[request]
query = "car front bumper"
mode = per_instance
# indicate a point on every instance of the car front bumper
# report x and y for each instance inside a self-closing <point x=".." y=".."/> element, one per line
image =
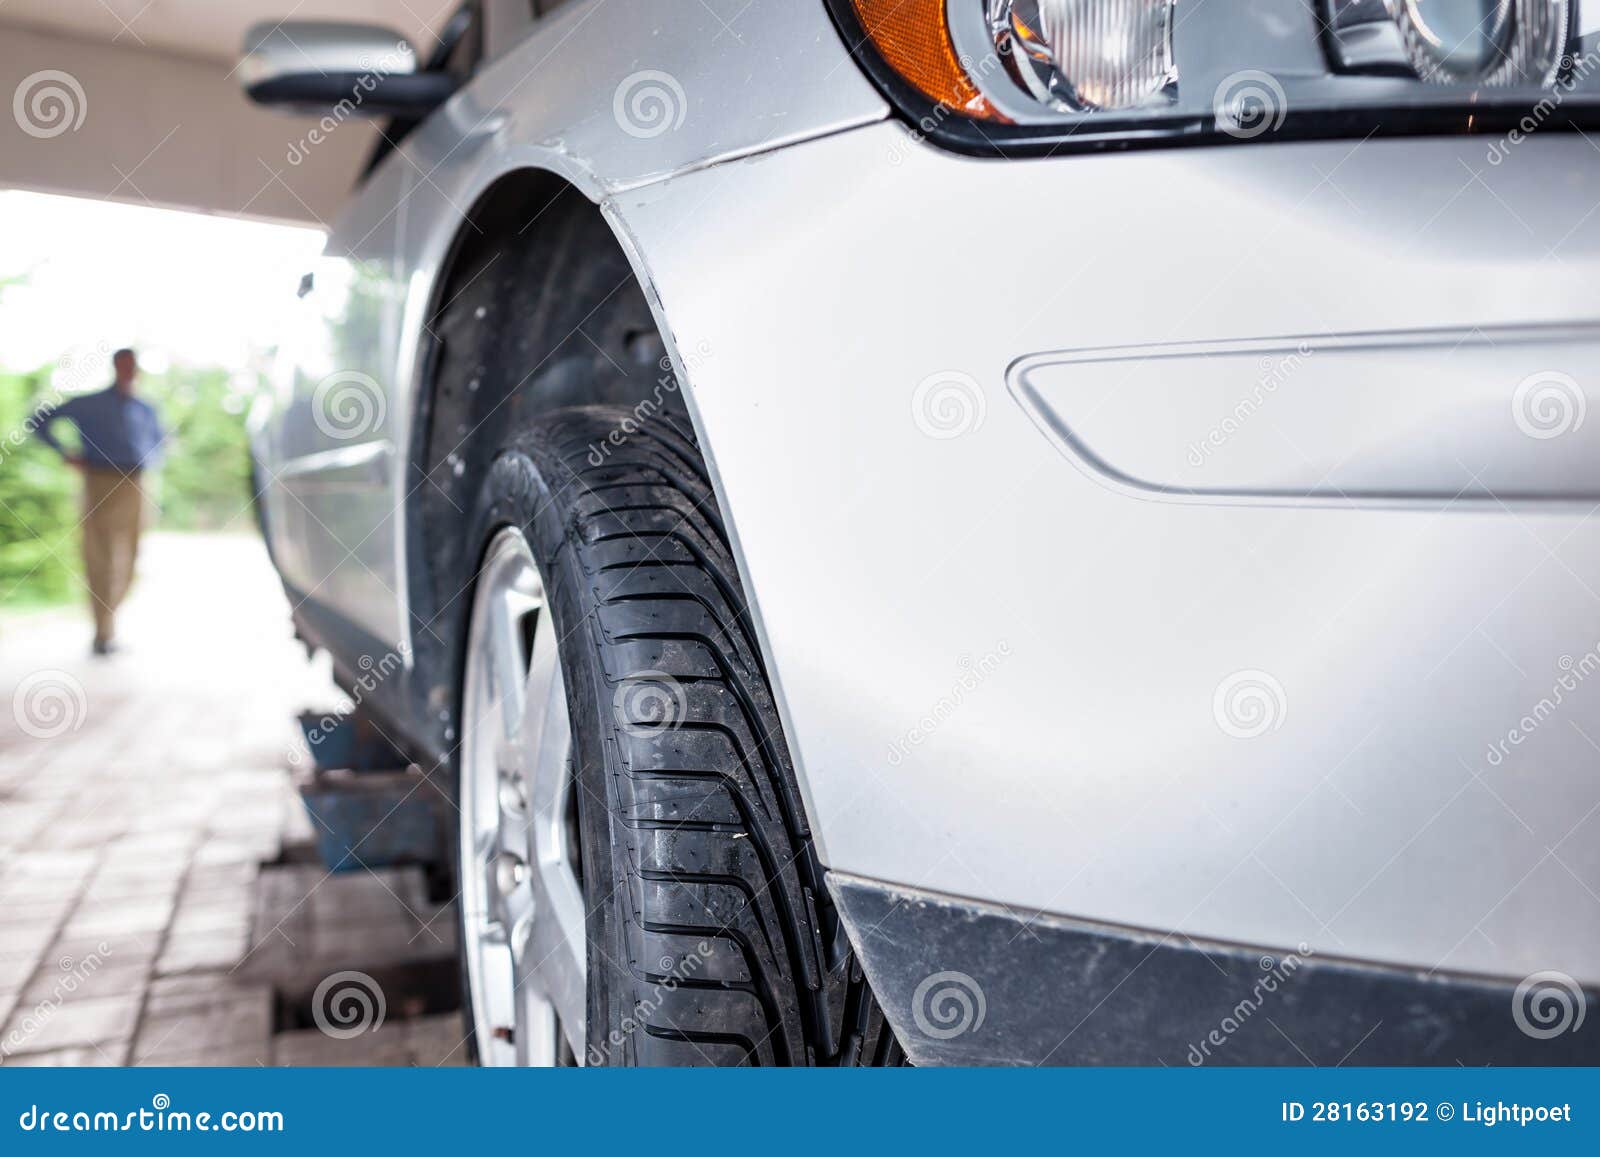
<point x="966" y="983"/>
<point x="1329" y="686"/>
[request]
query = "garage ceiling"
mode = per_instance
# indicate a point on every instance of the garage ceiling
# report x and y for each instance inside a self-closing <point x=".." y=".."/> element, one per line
<point x="210" y="30"/>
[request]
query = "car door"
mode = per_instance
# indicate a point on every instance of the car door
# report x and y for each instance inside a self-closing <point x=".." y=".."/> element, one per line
<point x="335" y="496"/>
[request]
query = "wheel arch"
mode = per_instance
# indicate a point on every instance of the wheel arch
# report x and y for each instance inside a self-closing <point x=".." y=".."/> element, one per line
<point x="521" y="212"/>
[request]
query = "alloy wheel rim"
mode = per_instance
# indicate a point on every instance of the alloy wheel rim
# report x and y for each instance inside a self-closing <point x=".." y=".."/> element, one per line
<point x="521" y="896"/>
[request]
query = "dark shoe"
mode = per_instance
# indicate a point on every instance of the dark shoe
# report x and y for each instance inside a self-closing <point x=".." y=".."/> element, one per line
<point x="104" y="647"/>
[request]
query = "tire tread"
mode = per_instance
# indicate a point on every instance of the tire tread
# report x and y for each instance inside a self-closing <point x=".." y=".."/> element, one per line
<point x="644" y="531"/>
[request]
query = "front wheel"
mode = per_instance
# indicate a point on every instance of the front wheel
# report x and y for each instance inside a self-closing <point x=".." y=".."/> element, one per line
<point x="638" y="884"/>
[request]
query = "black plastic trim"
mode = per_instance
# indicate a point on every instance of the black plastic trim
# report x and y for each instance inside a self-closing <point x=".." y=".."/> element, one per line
<point x="967" y="983"/>
<point x="411" y="94"/>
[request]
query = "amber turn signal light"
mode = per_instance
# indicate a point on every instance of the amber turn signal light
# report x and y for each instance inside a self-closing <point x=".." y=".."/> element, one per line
<point x="913" y="37"/>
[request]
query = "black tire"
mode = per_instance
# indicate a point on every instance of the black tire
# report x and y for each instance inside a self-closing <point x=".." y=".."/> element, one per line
<point x="712" y="939"/>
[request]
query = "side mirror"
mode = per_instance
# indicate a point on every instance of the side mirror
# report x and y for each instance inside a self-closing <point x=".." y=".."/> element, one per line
<point x="319" y="66"/>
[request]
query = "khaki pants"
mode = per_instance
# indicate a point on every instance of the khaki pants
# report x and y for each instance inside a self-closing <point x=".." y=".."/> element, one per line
<point x="113" y="516"/>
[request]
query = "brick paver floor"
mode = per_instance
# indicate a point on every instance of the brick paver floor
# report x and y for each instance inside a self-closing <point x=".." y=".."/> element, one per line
<point x="158" y="900"/>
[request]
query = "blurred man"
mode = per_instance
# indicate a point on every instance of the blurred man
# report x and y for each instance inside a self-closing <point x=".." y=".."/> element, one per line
<point x="119" y="436"/>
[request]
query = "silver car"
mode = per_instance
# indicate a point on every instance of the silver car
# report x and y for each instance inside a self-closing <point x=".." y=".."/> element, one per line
<point x="973" y="531"/>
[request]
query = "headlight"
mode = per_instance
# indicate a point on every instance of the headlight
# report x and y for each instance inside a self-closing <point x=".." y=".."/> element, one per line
<point x="999" y="76"/>
<point x="1081" y="55"/>
<point x="1466" y="41"/>
<point x="1489" y="43"/>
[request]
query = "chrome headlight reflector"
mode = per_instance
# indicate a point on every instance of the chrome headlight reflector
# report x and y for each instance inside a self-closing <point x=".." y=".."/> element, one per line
<point x="1486" y="43"/>
<point x="1083" y="55"/>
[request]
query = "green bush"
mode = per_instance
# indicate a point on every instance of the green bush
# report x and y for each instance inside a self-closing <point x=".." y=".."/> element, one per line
<point x="38" y="501"/>
<point x="205" y="483"/>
